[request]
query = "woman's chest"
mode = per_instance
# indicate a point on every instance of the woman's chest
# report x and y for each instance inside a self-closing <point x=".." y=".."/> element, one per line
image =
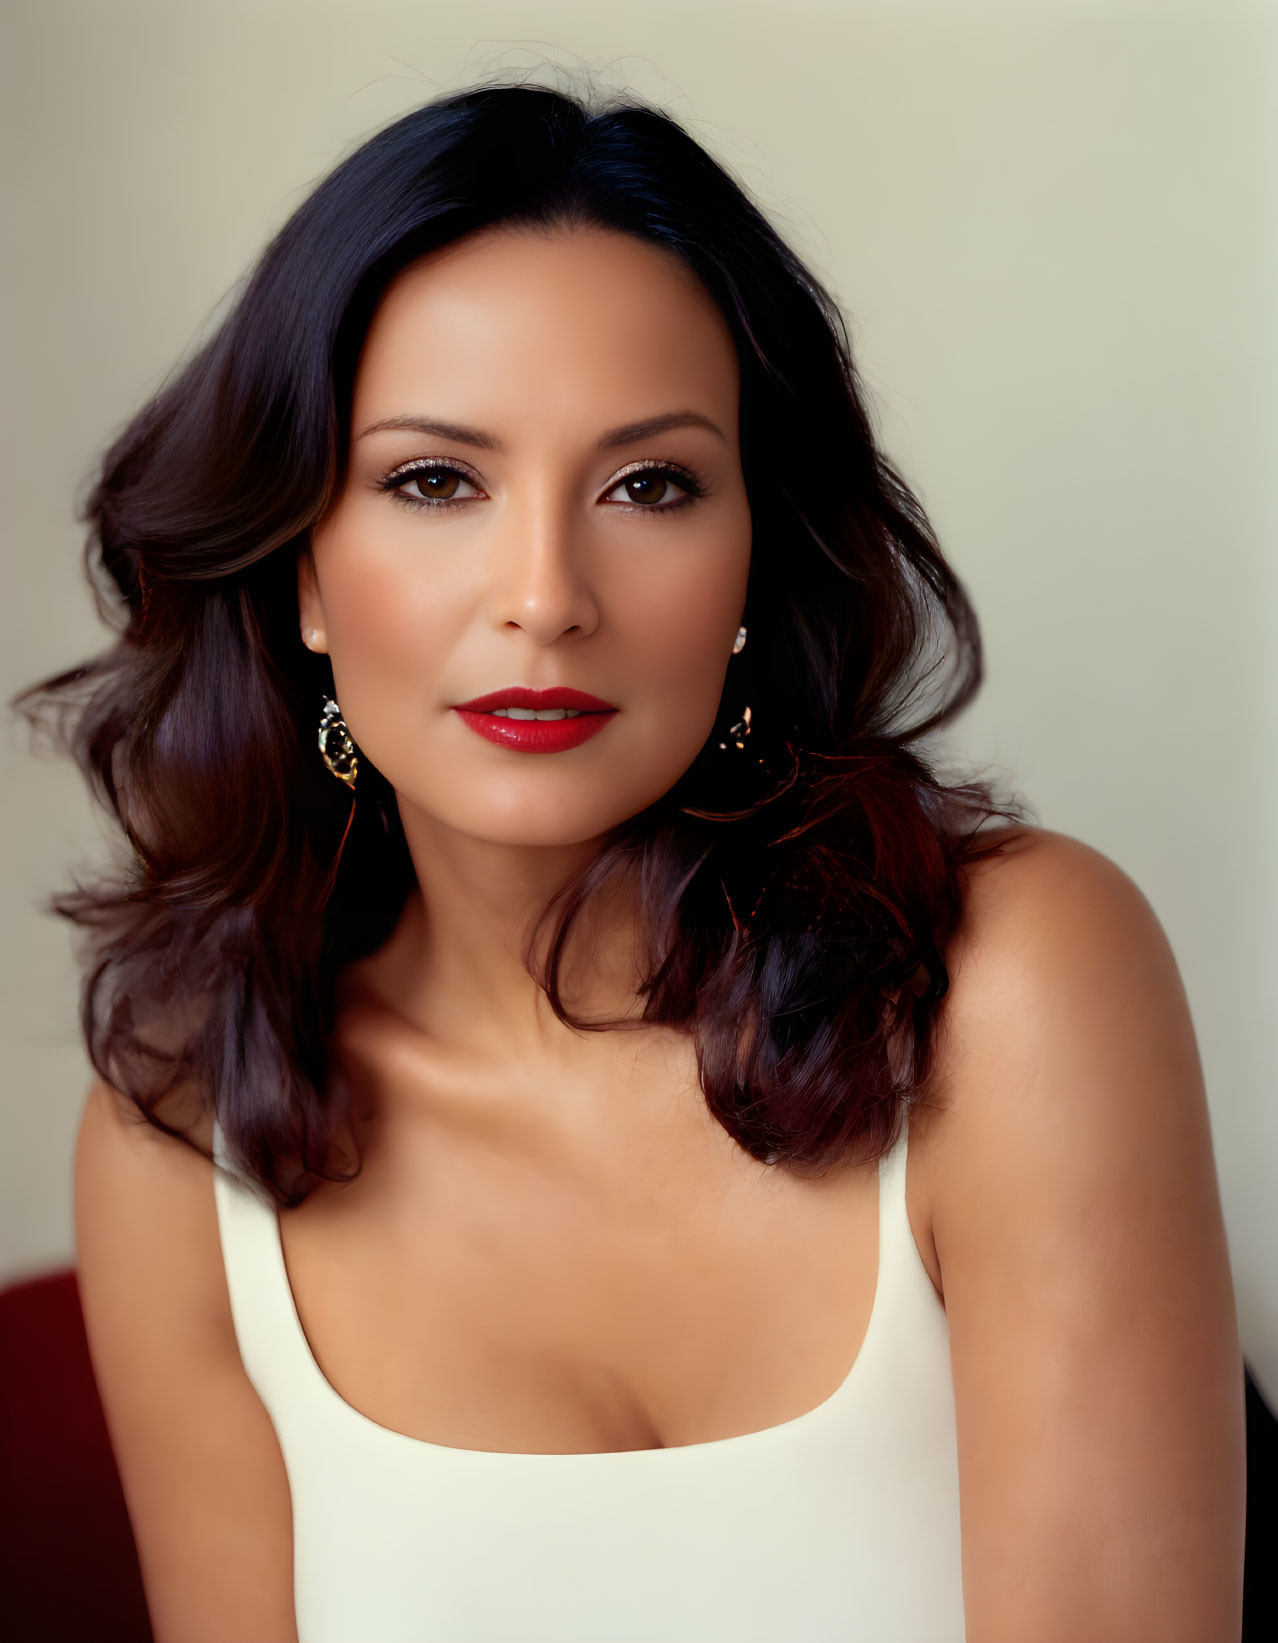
<point x="601" y="1269"/>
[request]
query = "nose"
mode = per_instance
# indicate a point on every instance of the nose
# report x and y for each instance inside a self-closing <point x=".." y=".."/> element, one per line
<point x="541" y="579"/>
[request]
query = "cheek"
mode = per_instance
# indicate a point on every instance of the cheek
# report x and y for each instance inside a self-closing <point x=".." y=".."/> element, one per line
<point x="390" y="634"/>
<point x="383" y="617"/>
<point x="679" y="632"/>
<point x="673" y="648"/>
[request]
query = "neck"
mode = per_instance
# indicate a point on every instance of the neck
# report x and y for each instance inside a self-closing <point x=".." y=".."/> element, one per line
<point x="454" y="967"/>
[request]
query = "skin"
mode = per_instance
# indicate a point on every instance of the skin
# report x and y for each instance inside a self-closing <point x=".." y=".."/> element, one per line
<point x="550" y="1246"/>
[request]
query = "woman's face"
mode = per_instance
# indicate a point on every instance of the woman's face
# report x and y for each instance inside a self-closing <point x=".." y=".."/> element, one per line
<point x="538" y="540"/>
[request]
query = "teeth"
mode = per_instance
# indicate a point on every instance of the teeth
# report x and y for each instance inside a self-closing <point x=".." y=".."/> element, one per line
<point x="536" y="713"/>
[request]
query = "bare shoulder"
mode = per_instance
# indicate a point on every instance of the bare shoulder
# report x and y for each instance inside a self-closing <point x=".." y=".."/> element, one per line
<point x="1074" y="1208"/>
<point x="198" y="1459"/>
<point x="1038" y="875"/>
<point x="131" y="1181"/>
<point x="1046" y="919"/>
<point x="1064" y="1044"/>
<point x="131" y="1176"/>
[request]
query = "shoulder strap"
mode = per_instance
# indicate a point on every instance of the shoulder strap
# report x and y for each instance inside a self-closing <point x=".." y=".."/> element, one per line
<point x="261" y="1303"/>
<point x="898" y="1252"/>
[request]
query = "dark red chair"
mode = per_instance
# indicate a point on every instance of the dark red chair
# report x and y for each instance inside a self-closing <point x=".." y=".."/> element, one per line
<point x="68" y="1568"/>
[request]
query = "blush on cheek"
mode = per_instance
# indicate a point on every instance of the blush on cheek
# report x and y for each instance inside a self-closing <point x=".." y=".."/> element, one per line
<point x="693" y="609"/>
<point x="387" y="625"/>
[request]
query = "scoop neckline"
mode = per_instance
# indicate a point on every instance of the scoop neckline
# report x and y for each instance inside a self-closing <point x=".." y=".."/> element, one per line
<point x="347" y="1411"/>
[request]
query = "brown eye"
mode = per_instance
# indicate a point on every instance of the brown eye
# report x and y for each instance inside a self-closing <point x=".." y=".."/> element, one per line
<point x="440" y="482"/>
<point x="436" y="484"/>
<point x="648" y="489"/>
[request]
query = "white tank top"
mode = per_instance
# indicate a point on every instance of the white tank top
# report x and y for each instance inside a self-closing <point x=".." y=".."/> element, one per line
<point x="839" y="1525"/>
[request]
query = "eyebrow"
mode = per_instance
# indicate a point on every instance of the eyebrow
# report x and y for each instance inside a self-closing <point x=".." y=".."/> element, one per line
<point x="626" y="434"/>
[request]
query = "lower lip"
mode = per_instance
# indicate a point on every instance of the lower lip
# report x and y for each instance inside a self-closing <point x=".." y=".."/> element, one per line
<point x="535" y="735"/>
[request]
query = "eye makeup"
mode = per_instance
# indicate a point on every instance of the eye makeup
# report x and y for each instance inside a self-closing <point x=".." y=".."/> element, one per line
<point x="393" y="483"/>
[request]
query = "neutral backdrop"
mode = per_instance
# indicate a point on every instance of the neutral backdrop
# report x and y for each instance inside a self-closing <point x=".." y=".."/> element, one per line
<point x="1053" y="229"/>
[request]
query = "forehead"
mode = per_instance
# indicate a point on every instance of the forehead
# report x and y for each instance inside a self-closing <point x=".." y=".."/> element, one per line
<point x="582" y="321"/>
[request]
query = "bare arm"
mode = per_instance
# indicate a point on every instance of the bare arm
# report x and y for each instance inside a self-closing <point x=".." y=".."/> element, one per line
<point x="198" y="1458"/>
<point x="1097" y="1369"/>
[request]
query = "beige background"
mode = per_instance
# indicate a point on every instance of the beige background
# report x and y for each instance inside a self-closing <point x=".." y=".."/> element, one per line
<point x="1053" y="229"/>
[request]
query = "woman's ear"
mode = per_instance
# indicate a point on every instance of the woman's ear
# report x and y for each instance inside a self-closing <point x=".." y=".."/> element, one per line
<point x="310" y="609"/>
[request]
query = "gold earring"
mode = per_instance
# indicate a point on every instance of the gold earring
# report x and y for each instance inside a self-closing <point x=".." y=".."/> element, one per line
<point x="740" y="730"/>
<point x="335" y="744"/>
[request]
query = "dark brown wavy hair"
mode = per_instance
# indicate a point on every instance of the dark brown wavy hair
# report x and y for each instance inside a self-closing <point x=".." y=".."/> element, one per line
<point x="798" y="892"/>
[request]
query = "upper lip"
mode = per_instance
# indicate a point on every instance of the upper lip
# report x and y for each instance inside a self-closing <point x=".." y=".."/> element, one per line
<point x="521" y="696"/>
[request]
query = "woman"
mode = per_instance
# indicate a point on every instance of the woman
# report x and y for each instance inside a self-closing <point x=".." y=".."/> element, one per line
<point x="565" y="1020"/>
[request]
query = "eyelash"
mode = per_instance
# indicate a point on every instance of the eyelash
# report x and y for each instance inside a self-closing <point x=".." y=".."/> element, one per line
<point x="683" y="477"/>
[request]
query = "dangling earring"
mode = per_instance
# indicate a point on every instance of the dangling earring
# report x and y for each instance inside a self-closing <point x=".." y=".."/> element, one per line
<point x="741" y="729"/>
<point x="335" y="744"/>
<point x="338" y="753"/>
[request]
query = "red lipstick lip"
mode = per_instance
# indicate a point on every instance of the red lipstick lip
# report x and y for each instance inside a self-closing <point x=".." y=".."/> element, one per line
<point x="521" y="696"/>
<point x="535" y="735"/>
